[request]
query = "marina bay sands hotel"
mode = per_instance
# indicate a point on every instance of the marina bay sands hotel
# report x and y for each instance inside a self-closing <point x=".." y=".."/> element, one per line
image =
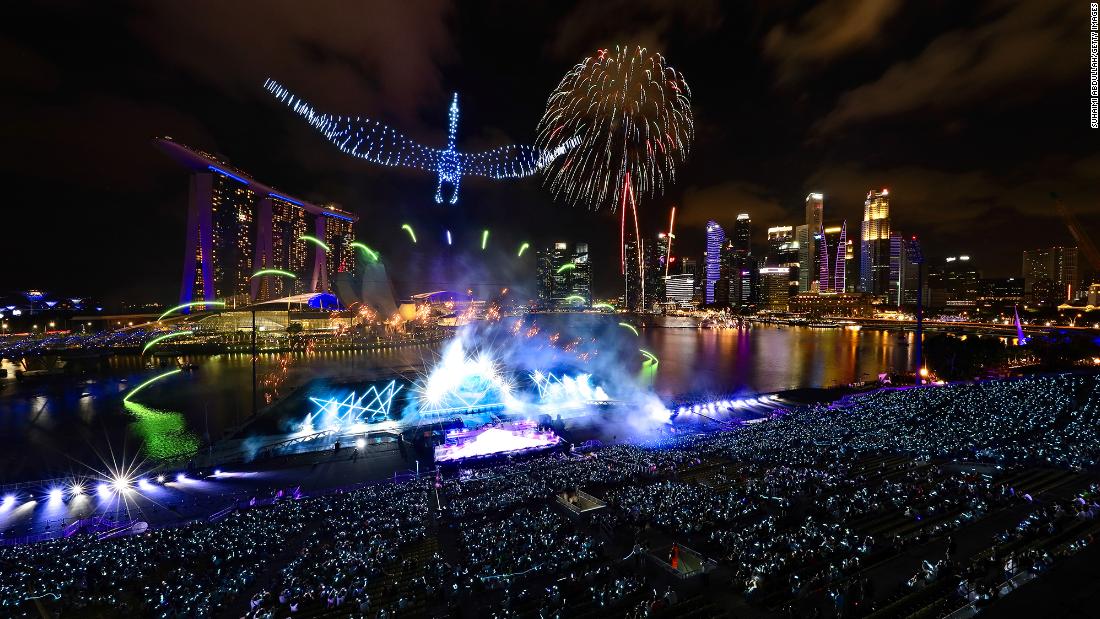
<point x="237" y="226"/>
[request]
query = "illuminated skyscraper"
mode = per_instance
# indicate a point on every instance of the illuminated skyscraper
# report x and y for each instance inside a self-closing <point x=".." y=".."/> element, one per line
<point x="237" y="225"/>
<point x="832" y="246"/>
<point x="775" y="289"/>
<point x="581" y="275"/>
<point x="807" y="248"/>
<point x="741" y="239"/>
<point x="874" y="244"/>
<point x="1056" y="265"/>
<point x="716" y="238"/>
<point x="655" y="255"/>
<point x="563" y="274"/>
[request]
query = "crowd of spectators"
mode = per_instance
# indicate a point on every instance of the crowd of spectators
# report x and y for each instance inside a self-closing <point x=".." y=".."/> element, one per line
<point x="795" y="513"/>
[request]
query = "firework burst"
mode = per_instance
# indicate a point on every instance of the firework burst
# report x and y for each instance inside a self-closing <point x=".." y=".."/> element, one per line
<point x="630" y="116"/>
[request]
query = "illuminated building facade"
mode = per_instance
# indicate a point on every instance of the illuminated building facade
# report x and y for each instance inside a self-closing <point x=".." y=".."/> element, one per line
<point x="775" y="288"/>
<point x="1058" y="266"/>
<point x="564" y="275"/>
<point x="741" y="239"/>
<point x="839" y="304"/>
<point x="716" y="238"/>
<point x="783" y="249"/>
<point x="960" y="283"/>
<point x="237" y="225"/>
<point x="905" y="272"/>
<point x="807" y="244"/>
<point x="634" y="294"/>
<point x="581" y="275"/>
<point x="832" y="260"/>
<point x="656" y="254"/>
<point x="874" y="244"/>
<point x="680" y="289"/>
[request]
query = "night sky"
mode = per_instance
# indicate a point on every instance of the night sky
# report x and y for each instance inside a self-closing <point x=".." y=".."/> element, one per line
<point x="970" y="113"/>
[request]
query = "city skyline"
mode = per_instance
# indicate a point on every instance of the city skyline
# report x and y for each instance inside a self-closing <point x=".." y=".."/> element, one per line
<point x="829" y="116"/>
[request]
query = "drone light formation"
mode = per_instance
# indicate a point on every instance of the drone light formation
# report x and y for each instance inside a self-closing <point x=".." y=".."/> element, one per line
<point x="373" y="141"/>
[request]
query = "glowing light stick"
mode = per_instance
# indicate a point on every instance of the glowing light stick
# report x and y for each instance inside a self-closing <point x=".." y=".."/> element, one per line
<point x="484" y="238"/>
<point x="604" y="306"/>
<point x="649" y="356"/>
<point x="568" y="266"/>
<point x="317" y="241"/>
<point x="154" y="341"/>
<point x="523" y="248"/>
<point x="191" y="304"/>
<point x="409" y="229"/>
<point x="279" y="272"/>
<point x="145" y="384"/>
<point x="627" y="325"/>
<point x="575" y="297"/>
<point x="448" y="237"/>
<point x="370" y="252"/>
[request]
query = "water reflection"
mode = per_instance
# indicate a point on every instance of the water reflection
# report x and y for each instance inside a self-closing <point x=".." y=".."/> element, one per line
<point x="58" y="421"/>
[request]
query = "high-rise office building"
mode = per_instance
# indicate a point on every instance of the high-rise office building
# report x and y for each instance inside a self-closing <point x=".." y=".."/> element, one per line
<point x="741" y="239"/>
<point x="960" y="283"/>
<point x="782" y="247"/>
<point x="633" y="282"/>
<point x="656" y="254"/>
<point x="874" y="244"/>
<point x="237" y="225"/>
<point x="1058" y="266"/>
<point x="1000" y="295"/>
<point x="581" y="275"/>
<point x="564" y="275"/>
<point x="832" y="245"/>
<point x="716" y="239"/>
<point x="783" y="250"/>
<point x="808" y="272"/>
<point x="680" y="289"/>
<point x="544" y="269"/>
<point x="775" y="288"/>
<point x="905" y="272"/>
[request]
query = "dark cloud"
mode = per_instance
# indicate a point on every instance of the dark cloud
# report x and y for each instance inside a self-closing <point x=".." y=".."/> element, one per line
<point x="1017" y="50"/>
<point x="723" y="202"/>
<point x="827" y="31"/>
<point x="593" y="25"/>
<point x="369" y="56"/>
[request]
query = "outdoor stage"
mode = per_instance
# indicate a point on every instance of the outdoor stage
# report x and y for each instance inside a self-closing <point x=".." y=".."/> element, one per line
<point x="510" y="438"/>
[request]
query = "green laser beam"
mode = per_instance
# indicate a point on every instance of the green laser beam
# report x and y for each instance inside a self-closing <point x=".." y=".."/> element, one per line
<point x="317" y="241"/>
<point x="604" y="306"/>
<point x="409" y="229"/>
<point x="191" y="304"/>
<point x="649" y="356"/>
<point x="629" y="326"/>
<point x="370" y="252"/>
<point x="145" y="384"/>
<point x="568" y="266"/>
<point x="523" y="248"/>
<point x="484" y="239"/>
<point x="161" y="338"/>
<point x="279" y="272"/>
